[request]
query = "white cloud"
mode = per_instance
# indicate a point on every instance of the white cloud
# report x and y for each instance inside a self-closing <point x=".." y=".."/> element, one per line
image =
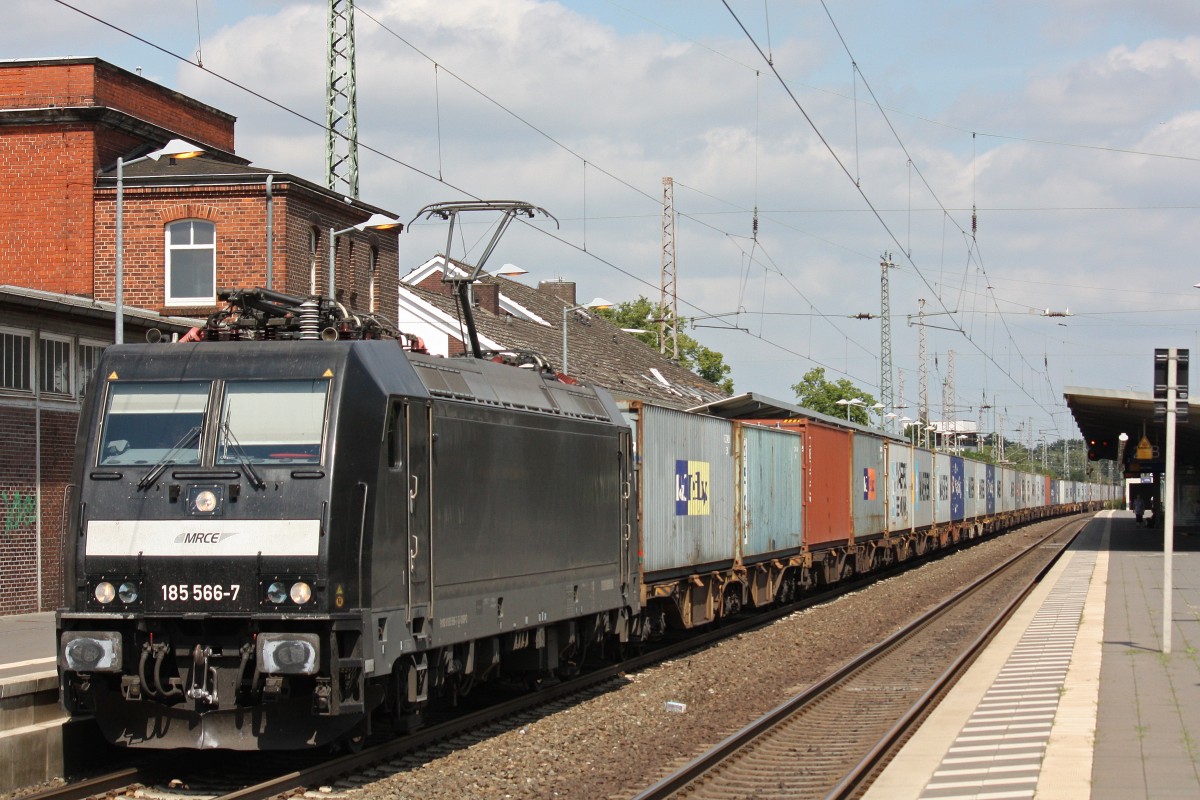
<point x="1092" y="229"/>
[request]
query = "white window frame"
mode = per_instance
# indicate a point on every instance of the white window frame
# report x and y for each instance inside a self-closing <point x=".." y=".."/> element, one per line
<point x="5" y="367"/>
<point x="68" y="372"/>
<point x="168" y="248"/>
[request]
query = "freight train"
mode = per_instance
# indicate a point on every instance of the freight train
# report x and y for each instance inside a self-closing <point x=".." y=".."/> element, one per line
<point x="297" y="522"/>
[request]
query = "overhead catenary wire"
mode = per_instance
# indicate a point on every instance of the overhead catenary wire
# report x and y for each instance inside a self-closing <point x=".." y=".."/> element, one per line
<point x="439" y="178"/>
<point x="841" y="165"/>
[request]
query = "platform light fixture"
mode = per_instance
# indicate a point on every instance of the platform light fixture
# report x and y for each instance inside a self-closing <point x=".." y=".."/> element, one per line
<point x="176" y="148"/>
<point x="854" y="401"/>
<point x="599" y="302"/>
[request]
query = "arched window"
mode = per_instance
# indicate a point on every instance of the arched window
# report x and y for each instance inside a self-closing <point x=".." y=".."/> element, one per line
<point x="372" y="267"/>
<point x="314" y="238"/>
<point x="191" y="262"/>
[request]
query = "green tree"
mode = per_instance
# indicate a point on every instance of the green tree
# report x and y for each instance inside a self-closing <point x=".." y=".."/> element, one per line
<point x="641" y="314"/>
<point x="816" y="392"/>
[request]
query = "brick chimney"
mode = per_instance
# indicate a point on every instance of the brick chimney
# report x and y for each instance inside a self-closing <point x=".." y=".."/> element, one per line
<point x="563" y="290"/>
<point x="433" y="283"/>
<point x="487" y="296"/>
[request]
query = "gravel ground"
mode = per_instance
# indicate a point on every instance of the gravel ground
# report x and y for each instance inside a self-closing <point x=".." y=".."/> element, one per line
<point x="622" y="740"/>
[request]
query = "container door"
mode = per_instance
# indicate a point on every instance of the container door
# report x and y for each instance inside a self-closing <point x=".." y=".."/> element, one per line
<point x="418" y="428"/>
<point x="991" y="490"/>
<point x="629" y="546"/>
<point x="957" y="492"/>
<point x="899" y="484"/>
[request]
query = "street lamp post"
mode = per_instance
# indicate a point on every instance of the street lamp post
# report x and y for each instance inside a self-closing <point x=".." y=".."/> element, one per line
<point x="599" y="302"/>
<point x="176" y="148"/>
<point x="377" y="222"/>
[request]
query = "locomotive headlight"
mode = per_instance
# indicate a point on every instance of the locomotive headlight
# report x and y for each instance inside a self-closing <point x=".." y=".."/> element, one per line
<point x="91" y="651"/>
<point x="205" y="502"/>
<point x="301" y="593"/>
<point x="277" y="592"/>
<point x="288" y="653"/>
<point x="128" y="592"/>
<point x="105" y="592"/>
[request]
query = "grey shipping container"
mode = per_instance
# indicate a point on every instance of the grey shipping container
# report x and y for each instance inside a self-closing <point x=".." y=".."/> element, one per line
<point x="899" y="486"/>
<point x="924" y="489"/>
<point x="686" y="490"/>
<point x="868" y="490"/>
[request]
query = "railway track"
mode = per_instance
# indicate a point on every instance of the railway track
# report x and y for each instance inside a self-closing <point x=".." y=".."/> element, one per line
<point x="193" y="776"/>
<point x="827" y="741"/>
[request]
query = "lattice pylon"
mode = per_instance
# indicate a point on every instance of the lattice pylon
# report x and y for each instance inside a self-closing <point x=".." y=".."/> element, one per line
<point x="341" y="119"/>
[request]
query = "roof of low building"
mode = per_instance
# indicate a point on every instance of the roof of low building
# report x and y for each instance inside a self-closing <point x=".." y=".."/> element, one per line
<point x="216" y="169"/>
<point x="73" y="305"/>
<point x="597" y="351"/>
<point x="1104" y="414"/>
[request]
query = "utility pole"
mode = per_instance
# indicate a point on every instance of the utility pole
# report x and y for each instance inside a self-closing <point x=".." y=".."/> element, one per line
<point x="1000" y="440"/>
<point x="949" y="411"/>
<point x="885" y="340"/>
<point x="341" y="112"/>
<point x="922" y="375"/>
<point x="668" y="321"/>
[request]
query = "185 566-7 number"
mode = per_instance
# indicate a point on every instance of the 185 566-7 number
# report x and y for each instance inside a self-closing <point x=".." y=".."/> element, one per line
<point x="199" y="592"/>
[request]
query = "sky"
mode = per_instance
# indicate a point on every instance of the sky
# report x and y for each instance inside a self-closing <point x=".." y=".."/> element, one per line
<point x="856" y="129"/>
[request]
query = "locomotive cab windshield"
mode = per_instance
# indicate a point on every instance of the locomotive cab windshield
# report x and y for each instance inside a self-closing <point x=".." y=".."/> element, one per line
<point x="147" y="423"/>
<point x="260" y="422"/>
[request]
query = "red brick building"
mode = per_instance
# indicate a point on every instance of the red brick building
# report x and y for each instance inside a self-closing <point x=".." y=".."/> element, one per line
<point x="191" y="227"/>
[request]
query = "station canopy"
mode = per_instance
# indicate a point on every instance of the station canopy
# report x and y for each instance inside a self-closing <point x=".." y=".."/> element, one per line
<point x="1104" y="414"/>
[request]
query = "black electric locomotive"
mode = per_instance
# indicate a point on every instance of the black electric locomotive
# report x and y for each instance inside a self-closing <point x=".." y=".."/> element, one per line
<point x="278" y="532"/>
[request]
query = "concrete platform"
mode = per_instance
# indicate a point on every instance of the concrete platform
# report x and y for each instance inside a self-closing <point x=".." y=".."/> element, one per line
<point x="37" y="742"/>
<point x="1075" y="699"/>
<point x="31" y="722"/>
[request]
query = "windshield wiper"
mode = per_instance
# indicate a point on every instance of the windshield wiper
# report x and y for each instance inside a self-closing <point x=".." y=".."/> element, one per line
<point x="244" y="458"/>
<point x="150" y="477"/>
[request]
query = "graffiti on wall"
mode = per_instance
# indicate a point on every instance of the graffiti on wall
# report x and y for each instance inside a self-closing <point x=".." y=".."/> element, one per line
<point x="19" y="509"/>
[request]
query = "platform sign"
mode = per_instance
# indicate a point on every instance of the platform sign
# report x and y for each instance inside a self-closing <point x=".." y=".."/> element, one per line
<point x="1162" y="381"/>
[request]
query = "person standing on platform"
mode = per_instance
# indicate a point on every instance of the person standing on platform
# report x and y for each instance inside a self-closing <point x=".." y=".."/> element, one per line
<point x="1139" y="508"/>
